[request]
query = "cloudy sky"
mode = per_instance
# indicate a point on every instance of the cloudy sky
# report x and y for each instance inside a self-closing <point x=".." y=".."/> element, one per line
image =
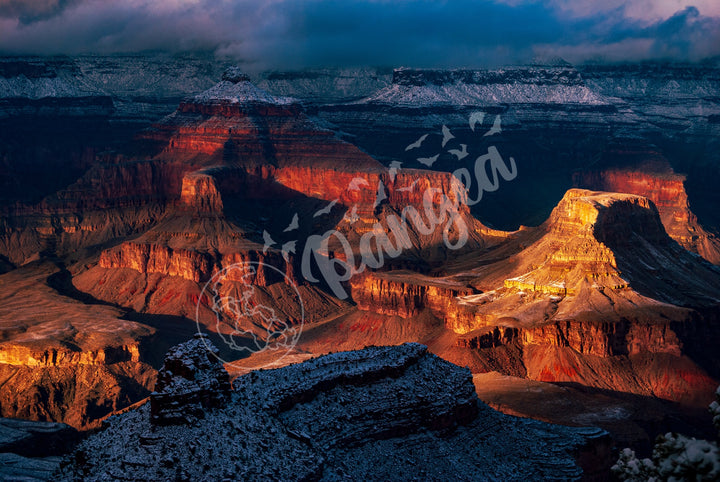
<point x="419" y="33"/>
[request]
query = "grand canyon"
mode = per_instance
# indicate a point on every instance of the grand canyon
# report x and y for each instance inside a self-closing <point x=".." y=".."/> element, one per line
<point x="302" y="271"/>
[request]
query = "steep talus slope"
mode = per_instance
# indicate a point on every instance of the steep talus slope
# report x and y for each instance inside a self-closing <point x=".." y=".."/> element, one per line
<point x="327" y="419"/>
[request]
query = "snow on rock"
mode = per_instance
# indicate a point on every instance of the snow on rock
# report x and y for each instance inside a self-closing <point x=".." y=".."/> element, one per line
<point x="236" y="88"/>
<point x="526" y="85"/>
<point x="326" y="86"/>
<point x="381" y="413"/>
<point x="192" y="379"/>
<point x="28" y="449"/>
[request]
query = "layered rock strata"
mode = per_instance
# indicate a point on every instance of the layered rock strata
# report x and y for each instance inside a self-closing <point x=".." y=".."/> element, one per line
<point x="602" y="286"/>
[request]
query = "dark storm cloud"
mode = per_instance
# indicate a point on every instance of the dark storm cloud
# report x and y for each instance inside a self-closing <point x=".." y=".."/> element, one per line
<point x="426" y="32"/>
<point x="28" y="11"/>
<point x="687" y="34"/>
<point x="296" y="33"/>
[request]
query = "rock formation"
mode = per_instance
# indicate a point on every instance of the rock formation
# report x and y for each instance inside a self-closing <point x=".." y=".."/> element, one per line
<point x="62" y="360"/>
<point x="31" y="450"/>
<point x="602" y="282"/>
<point x="191" y="381"/>
<point x="332" y="417"/>
<point x="659" y="183"/>
<point x="235" y="146"/>
<point x="597" y="295"/>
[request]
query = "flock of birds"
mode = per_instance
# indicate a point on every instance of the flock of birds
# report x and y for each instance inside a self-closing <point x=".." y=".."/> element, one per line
<point x="475" y="119"/>
<point x="357" y="183"/>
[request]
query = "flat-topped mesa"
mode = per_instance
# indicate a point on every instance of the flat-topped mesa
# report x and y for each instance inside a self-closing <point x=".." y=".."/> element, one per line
<point x="603" y="257"/>
<point x="420" y="88"/>
<point x="606" y="217"/>
<point x="584" y="230"/>
<point x="600" y="257"/>
<point x="540" y="75"/>
<point x="591" y="242"/>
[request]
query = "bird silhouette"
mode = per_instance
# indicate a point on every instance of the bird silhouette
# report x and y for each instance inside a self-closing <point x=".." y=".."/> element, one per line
<point x="410" y="187"/>
<point x="417" y="143"/>
<point x="447" y="135"/>
<point x="288" y="248"/>
<point x="428" y="161"/>
<point x="381" y="196"/>
<point x="357" y="183"/>
<point x="461" y="153"/>
<point x="326" y="209"/>
<point x="294" y="224"/>
<point x="476" y="118"/>
<point x="495" y="129"/>
<point x="352" y="217"/>
<point x="268" y="241"/>
<point x="394" y="168"/>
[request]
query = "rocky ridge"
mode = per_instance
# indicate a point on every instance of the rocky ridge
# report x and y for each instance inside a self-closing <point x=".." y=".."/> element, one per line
<point x="330" y="418"/>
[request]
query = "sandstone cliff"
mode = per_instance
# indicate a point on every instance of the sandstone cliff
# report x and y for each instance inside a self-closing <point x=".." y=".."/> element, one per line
<point x="659" y="183"/>
<point x="600" y="295"/>
<point x="62" y="360"/>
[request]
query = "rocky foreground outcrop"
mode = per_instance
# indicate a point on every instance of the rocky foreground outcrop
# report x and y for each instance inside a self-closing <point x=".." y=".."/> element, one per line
<point x="394" y="412"/>
<point x="31" y="451"/>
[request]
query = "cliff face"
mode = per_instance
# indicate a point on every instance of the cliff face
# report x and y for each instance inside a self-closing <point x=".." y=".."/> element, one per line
<point x="229" y="145"/>
<point x="602" y="283"/>
<point x="257" y="158"/>
<point x="152" y="258"/>
<point x="62" y="360"/>
<point x="666" y="189"/>
<point x="404" y="294"/>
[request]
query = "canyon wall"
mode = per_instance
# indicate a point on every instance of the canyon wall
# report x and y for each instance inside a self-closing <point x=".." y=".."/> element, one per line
<point x="666" y="189"/>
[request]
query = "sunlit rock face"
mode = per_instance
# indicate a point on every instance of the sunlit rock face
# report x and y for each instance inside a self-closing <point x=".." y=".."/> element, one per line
<point x="235" y="146"/>
<point x="405" y="294"/>
<point x="62" y="360"/>
<point x="598" y="286"/>
<point x="368" y="414"/>
<point x="659" y="183"/>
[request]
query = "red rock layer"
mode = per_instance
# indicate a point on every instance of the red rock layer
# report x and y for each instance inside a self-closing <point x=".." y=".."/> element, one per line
<point x="62" y="360"/>
<point x="603" y="291"/>
<point x="404" y="294"/>
<point x="665" y="188"/>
